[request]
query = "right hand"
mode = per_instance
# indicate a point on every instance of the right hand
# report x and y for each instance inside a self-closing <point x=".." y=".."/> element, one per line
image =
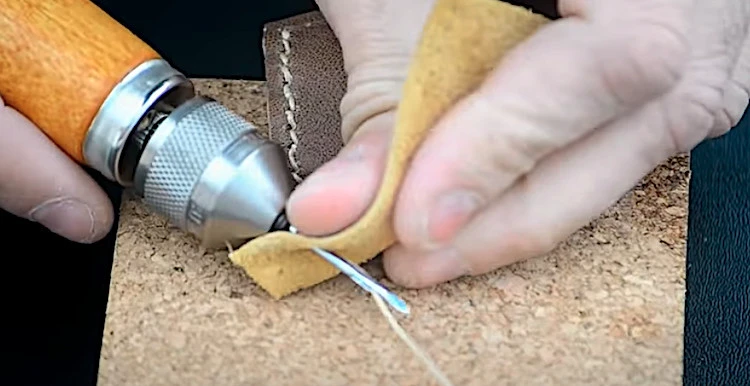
<point x="39" y="182"/>
<point x="570" y="121"/>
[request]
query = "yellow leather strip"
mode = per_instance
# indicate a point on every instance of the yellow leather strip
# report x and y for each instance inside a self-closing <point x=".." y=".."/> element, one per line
<point x="461" y="42"/>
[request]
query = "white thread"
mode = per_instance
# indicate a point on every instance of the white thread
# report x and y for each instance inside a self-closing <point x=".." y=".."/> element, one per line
<point x="291" y="104"/>
<point x="432" y="367"/>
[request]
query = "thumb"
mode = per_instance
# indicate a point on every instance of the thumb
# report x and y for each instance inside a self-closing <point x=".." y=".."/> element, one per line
<point x="41" y="183"/>
<point x="339" y="192"/>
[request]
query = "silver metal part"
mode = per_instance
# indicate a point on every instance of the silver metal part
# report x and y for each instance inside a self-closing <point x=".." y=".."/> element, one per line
<point x="360" y="277"/>
<point x="212" y="174"/>
<point x="122" y="110"/>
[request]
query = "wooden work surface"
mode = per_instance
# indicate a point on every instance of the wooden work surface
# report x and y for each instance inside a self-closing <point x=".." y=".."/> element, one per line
<point x="606" y="307"/>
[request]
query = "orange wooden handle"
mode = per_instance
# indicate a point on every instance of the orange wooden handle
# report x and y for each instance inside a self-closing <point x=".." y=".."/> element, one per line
<point x="59" y="59"/>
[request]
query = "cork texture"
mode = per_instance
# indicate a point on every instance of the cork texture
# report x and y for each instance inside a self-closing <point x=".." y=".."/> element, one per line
<point x="605" y="307"/>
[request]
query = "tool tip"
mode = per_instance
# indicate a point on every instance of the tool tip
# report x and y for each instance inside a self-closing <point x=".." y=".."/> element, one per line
<point x="281" y="223"/>
<point x="397" y="303"/>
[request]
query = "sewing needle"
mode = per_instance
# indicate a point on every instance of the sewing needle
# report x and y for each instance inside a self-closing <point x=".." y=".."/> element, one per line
<point x="363" y="279"/>
<point x="360" y="277"/>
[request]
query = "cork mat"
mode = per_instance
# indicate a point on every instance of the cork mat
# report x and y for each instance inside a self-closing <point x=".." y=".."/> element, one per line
<point x="606" y="307"/>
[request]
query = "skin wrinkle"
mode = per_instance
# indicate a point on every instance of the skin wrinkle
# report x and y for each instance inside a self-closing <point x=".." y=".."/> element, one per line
<point x="363" y="104"/>
<point x="383" y="72"/>
<point x="386" y="62"/>
<point x="527" y="143"/>
<point x="369" y="35"/>
<point x="654" y="66"/>
<point x="657" y="64"/>
<point x="371" y="53"/>
<point x="735" y="93"/>
<point x="371" y="93"/>
<point x="703" y="88"/>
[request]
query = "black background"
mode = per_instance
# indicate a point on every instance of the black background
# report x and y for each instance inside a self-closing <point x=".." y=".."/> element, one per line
<point x="213" y="38"/>
<point x="54" y="292"/>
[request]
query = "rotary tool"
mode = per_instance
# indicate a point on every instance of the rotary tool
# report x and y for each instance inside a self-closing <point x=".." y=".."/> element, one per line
<point x="115" y="105"/>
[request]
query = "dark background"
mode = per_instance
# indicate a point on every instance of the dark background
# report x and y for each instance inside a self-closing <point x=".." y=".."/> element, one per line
<point x="213" y="38"/>
<point x="55" y="292"/>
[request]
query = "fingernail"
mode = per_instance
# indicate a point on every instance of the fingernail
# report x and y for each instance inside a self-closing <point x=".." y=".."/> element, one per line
<point x="450" y="213"/>
<point x="69" y="218"/>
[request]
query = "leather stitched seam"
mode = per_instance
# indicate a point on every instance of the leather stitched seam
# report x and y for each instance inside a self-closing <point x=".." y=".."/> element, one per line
<point x="291" y="104"/>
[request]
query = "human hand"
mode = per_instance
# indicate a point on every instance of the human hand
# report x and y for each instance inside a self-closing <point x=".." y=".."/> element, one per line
<point x="570" y="121"/>
<point x="41" y="183"/>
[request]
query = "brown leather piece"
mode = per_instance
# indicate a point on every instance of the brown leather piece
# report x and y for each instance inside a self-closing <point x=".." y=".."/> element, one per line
<point x="306" y="81"/>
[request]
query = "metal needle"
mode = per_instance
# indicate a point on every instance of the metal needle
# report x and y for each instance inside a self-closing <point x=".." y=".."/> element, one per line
<point x="363" y="279"/>
<point x="360" y="277"/>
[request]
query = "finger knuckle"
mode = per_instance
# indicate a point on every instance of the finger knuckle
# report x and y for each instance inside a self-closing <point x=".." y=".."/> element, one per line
<point x="662" y="54"/>
<point x="505" y="156"/>
<point x="727" y="119"/>
<point x="697" y="111"/>
<point x="686" y="127"/>
<point x="365" y="100"/>
<point x="500" y="153"/>
<point x="652" y="60"/>
<point x="735" y="108"/>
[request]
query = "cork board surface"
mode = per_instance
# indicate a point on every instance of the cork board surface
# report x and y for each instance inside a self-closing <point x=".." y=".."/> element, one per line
<point x="605" y="307"/>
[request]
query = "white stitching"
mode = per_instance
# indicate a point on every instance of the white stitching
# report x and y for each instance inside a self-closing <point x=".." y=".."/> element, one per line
<point x="291" y="104"/>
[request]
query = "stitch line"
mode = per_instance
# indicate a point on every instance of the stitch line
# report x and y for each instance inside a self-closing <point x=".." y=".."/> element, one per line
<point x="291" y="104"/>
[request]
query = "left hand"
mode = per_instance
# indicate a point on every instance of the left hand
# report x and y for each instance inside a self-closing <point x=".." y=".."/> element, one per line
<point x="602" y="96"/>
